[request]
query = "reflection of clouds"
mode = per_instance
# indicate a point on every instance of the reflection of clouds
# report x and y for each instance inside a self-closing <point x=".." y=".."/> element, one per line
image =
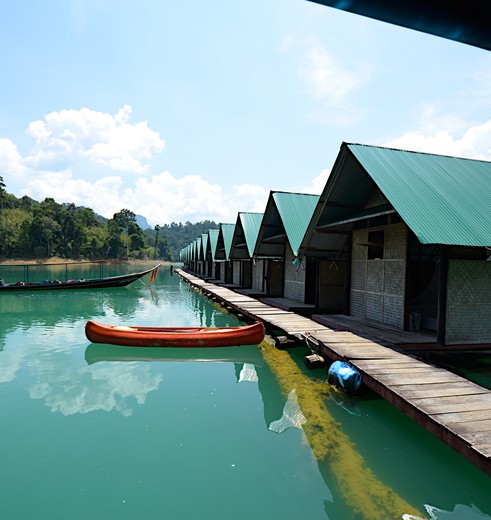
<point x="64" y="388"/>
<point x="248" y="373"/>
<point x="460" y="511"/>
<point x="104" y="388"/>
<point x="292" y="415"/>
<point x="10" y="363"/>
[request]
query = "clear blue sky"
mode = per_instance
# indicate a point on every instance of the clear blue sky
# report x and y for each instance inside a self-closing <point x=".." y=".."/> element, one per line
<point x="195" y="110"/>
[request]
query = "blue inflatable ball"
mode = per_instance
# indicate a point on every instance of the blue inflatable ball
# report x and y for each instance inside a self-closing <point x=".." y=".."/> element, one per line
<point x="344" y="376"/>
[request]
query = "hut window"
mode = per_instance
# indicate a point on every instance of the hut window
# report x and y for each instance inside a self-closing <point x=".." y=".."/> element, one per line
<point x="375" y="245"/>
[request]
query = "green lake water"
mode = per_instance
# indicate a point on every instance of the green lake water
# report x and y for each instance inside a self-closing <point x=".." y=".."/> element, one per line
<point x="103" y="432"/>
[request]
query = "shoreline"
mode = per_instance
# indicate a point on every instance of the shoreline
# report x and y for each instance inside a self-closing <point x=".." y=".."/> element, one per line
<point x="55" y="260"/>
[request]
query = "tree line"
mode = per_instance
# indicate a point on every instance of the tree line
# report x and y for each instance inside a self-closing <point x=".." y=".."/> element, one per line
<point x="30" y="229"/>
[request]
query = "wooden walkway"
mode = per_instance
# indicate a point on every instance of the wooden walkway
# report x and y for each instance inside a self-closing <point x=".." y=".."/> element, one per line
<point x="452" y="408"/>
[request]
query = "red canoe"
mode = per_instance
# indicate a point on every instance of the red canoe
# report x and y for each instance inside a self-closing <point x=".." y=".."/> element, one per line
<point x="188" y="337"/>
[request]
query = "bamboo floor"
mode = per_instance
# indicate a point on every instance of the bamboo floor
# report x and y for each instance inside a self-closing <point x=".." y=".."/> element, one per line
<point x="455" y="410"/>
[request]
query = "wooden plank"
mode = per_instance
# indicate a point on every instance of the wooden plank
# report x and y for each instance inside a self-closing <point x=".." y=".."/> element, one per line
<point x="438" y="389"/>
<point x="264" y="308"/>
<point x="467" y="416"/>
<point x="398" y="361"/>
<point x="454" y="403"/>
<point x="358" y="352"/>
<point x="339" y="337"/>
<point x="462" y="428"/>
<point x="285" y="323"/>
<point x="484" y="449"/>
<point x="477" y="438"/>
<point x="409" y="379"/>
<point x="421" y="369"/>
<point x="394" y="367"/>
<point x="260" y="312"/>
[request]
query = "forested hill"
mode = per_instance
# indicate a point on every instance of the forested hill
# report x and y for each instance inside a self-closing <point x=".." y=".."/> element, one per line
<point x="30" y="229"/>
<point x="179" y="235"/>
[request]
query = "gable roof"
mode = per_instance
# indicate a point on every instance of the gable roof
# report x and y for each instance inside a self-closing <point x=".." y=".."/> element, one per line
<point x="245" y="235"/>
<point x="443" y="200"/>
<point x="224" y="241"/>
<point x="212" y="242"/>
<point x="286" y="218"/>
<point x="204" y="244"/>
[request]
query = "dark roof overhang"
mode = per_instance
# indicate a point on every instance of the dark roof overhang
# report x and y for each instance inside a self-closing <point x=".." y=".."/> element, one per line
<point x="464" y="21"/>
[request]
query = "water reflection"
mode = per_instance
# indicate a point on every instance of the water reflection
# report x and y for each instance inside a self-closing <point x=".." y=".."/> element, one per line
<point x="96" y="352"/>
<point x="460" y="512"/>
<point x="61" y="383"/>
<point x="366" y="474"/>
<point x="292" y="416"/>
<point x="248" y="374"/>
<point x="338" y="459"/>
<point x="108" y="388"/>
<point x="21" y="310"/>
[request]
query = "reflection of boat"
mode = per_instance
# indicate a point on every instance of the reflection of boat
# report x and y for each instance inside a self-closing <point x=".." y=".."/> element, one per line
<point x="194" y="337"/>
<point x="244" y="354"/>
<point x="91" y="283"/>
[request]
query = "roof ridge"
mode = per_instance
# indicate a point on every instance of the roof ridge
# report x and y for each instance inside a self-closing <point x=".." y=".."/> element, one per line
<point x="416" y="152"/>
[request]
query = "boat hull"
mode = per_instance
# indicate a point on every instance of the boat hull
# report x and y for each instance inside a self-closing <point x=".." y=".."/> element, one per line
<point x="185" y="337"/>
<point x="94" y="283"/>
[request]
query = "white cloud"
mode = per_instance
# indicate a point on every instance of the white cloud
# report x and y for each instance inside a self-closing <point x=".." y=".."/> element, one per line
<point x="102" y="138"/>
<point x="103" y="196"/>
<point x="67" y="141"/>
<point x="250" y="197"/>
<point x="315" y="186"/>
<point x="318" y="183"/>
<point x="324" y="78"/>
<point x="11" y="163"/>
<point x="331" y="84"/>
<point x="475" y="142"/>
<point x="161" y="199"/>
<point x="165" y="198"/>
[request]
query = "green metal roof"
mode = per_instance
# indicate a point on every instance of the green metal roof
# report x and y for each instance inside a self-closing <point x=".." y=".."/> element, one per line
<point x="286" y="217"/>
<point x="212" y="242"/>
<point x="245" y="235"/>
<point x="204" y="244"/>
<point x="225" y="235"/>
<point x="198" y="249"/>
<point x="443" y="200"/>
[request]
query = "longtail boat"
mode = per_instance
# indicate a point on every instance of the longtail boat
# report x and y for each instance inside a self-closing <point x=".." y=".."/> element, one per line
<point x="90" y="283"/>
<point x="187" y="337"/>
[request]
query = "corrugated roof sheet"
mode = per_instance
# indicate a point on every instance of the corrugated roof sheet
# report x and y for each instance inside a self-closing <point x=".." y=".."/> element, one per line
<point x="250" y="223"/>
<point x="225" y="235"/>
<point x="295" y="210"/>
<point x="204" y="245"/>
<point x="444" y="200"/>
<point x="286" y="218"/>
<point x="198" y="249"/>
<point x="212" y="243"/>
